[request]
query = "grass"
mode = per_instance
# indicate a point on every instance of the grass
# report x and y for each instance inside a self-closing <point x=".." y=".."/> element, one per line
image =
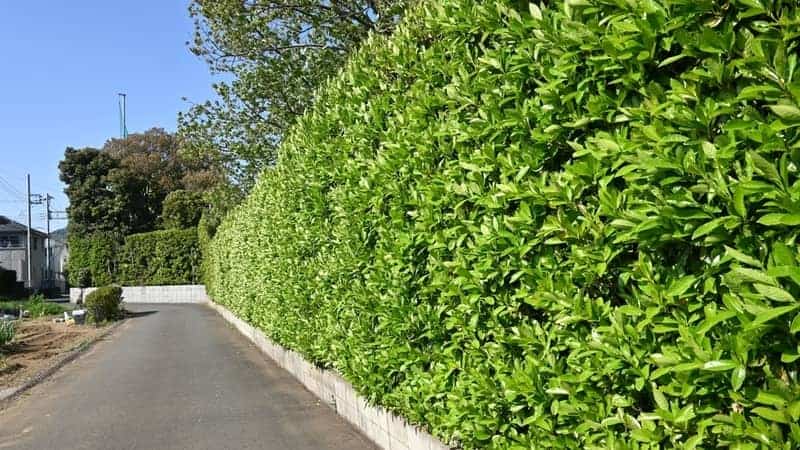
<point x="36" y="305"/>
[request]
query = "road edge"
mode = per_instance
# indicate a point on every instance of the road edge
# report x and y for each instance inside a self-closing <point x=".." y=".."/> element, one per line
<point x="384" y="428"/>
<point x="8" y="396"/>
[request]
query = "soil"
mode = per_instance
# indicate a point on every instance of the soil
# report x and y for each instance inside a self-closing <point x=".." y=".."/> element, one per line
<point x="36" y="345"/>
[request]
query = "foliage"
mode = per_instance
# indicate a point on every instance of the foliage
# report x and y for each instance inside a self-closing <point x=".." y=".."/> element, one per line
<point x="92" y="258"/>
<point x="168" y="257"/>
<point x="6" y="331"/>
<point x="121" y="188"/>
<point x="182" y="209"/>
<point x="92" y="207"/>
<point x="277" y="53"/>
<point x="104" y="304"/>
<point x="37" y="306"/>
<point x="570" y="225"/>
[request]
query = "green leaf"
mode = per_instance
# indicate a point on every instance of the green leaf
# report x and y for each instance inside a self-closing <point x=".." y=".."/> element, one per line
<point x="766" y="398"/>
<point x="659" y="398"/>
<point x="742" y="258"/>
<point x="737" y="378"/>
<point x="680" y="286"/>
<point x="719" y="365"/>
<point x="752" y="275"/>
<point x="774" y="293"/>
<point x="738" y="202"/>
<point x="789" y="113"/>
<point x="765" y="167"/>
<point x="708" y="227"/>
<point x="536" y="13"/>
<point x="795" y="326"/>
<point x="775" y="219"/>
<point x="771" y="414"/>
<point x="672" y="59"/>
<point x="770" y="314"/>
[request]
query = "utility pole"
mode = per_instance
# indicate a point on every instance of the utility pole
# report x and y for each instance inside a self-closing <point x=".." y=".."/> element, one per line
<point x="123" y="115"/>
<point x="30" y="240"/>
<point x="48" y="271"/>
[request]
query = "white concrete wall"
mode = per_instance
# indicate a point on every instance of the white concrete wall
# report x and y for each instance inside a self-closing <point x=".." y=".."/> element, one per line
<point x="152" y="294"/>
<point x="387" y="430"/>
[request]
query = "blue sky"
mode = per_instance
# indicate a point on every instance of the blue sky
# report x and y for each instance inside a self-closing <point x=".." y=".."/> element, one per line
<point x="61" y="67"/>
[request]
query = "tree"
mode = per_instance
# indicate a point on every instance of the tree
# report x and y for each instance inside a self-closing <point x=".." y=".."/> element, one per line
<point x="121" y="188"/>
<point x="93" y="205"/>
<point x="182" y="209"/>
<point x="277" y="53"/>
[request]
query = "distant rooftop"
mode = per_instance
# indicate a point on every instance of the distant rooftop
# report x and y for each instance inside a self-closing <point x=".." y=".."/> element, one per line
<point x="10" y="226"/>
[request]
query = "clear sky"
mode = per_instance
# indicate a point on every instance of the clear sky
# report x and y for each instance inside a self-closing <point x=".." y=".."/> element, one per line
<point x="62" y="64"/>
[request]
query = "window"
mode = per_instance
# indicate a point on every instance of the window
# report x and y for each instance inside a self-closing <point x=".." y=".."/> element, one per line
<point x="36" y="243"/>
<point x="10" y="241"/>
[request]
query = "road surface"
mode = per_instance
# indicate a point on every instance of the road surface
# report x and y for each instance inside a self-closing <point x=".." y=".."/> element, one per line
<point x="175" y="377"/>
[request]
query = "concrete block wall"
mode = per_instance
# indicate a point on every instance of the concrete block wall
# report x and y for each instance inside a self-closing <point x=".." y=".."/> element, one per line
<point x="384" y="428"/>
<point x="152" y="294"/>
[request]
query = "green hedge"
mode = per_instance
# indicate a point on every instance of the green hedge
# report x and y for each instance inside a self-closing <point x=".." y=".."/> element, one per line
<point x="167" y="257"/>
<point x="569" y="226"/>
<point x="92" y="259"/>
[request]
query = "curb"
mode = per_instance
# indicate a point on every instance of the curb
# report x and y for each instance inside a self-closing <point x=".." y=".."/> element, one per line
<point x="7" y="396"/>
<point x="384" y="428"/>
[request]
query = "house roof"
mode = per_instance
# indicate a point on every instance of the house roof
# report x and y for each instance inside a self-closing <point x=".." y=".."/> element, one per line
<point x="9" y="226"/>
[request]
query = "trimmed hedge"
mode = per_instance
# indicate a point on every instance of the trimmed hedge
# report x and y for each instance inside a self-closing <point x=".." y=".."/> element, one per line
<point x="563" y="226"/>
<point x="167" y="257"/>
<point x="92" y="259"/>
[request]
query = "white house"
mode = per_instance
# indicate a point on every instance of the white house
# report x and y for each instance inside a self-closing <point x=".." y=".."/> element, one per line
<point x="14" y="255"/>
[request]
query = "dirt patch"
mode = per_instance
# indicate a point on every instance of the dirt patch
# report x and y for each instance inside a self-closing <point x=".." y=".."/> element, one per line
<point x="37" y="344"/>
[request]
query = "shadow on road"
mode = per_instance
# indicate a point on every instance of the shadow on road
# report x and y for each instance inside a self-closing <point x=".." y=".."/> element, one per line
<point x="136" y="314"/>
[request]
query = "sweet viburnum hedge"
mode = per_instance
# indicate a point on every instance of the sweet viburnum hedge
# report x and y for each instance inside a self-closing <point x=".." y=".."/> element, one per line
<point x="165" y="257"/>
<point x="570" y="225"/>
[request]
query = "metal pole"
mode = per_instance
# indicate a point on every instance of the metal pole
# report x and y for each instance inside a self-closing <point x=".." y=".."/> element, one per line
<point x="30" y="239"/>
<point x="123" y="115"/>
<point x="47" y="249"/>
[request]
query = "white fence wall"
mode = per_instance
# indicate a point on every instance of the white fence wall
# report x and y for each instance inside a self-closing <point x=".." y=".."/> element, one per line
<point x="195" y="293"/>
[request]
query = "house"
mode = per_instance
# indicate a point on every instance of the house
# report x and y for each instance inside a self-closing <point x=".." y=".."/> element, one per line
<point x="14" y="255"/>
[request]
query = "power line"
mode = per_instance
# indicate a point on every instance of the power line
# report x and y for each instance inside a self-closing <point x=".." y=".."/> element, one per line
<point x="11" y="189"/>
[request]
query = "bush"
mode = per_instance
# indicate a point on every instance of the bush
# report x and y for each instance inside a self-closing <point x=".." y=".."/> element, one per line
<point x="167" y="257"/>
<point x="182" y="210"/>
<point x="7" y="331"/>
<point x="92" y="259"/>
<point x="571" y="226"/>
<point x="104" y="304"/>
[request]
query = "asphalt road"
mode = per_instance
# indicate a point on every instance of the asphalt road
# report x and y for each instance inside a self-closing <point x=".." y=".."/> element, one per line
<point x="176" y="377"/>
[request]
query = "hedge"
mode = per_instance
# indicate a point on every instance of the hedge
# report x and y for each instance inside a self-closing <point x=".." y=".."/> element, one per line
<point x="561" y="226"/>
<point x="92" y="259"/>
<point x="167" y="257"/>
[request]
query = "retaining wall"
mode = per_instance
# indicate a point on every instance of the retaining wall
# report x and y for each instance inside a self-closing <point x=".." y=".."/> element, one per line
<point x="152" y="294"/>
<point x="384" y="428"/>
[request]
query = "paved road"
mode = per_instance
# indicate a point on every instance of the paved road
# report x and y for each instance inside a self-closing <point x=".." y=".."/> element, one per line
<point x="176" y="378"/>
